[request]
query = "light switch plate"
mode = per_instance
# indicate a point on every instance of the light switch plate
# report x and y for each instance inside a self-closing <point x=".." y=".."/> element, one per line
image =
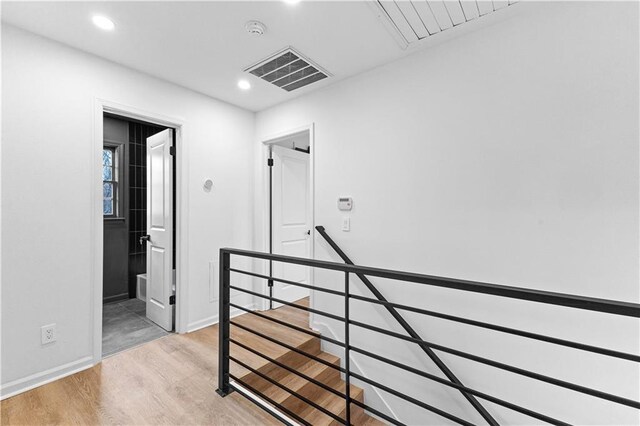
<point x="346" y="224"/>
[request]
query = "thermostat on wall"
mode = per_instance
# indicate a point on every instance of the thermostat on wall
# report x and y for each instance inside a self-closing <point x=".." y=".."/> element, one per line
<point x="345" y="203"/>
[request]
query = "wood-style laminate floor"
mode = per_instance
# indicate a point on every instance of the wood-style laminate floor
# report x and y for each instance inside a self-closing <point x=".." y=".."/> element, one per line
<point x="171" y="380"/>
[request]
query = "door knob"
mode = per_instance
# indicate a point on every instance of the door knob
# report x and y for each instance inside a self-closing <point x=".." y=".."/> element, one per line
<point x="145" y="238"/>
<point x="308" y="232"/>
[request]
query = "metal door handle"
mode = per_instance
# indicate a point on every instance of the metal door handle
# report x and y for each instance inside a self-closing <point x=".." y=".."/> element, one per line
<point x="145" y="238"/>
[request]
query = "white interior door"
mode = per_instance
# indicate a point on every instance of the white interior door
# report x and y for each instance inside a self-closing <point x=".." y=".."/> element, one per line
<point x="291" y="220"/>
<point x="160" y="228"/>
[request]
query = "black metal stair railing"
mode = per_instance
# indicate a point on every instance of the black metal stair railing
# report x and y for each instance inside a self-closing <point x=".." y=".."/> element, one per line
<point x="229" y="382"/>
<point x="410" y="331"/>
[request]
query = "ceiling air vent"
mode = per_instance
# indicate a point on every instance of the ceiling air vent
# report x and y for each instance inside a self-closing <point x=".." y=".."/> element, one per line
<point x="288" y="70"/>
<point x="415" y="20"/>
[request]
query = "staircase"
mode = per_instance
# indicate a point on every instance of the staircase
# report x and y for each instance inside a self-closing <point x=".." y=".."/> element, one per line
<point x="248" y="338"/>
<point x="316" y="370"/>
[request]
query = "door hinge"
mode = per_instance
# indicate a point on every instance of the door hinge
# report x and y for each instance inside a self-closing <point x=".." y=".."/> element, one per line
<point x="172" y="300"/>
<point x="270" y="162"/>
<point x="172" y="150"/>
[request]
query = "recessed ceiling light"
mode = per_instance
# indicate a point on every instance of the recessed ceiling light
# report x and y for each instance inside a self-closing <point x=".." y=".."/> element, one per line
<point x="291" y="1"/>
<point x="103" y="23"/>
<point x="244" y="84"/>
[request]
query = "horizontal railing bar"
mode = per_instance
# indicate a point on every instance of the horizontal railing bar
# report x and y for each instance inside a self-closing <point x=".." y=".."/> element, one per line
<point x="286" y="389"/>
<point x="540" y="296"/>
<point x="460" y="387"/>
<point x="291" y="348"/>
<point x="527" y="334"/>
<point x="286" y="324"/>
<point x="289" y="369"/>
<point x="507" y="367"/>
<point x="282" y="280"/>
<point x="238" y="386"/>
<point x="412" y="400"/>
<point x="293" y="305"/>
<point x="377" y="413"/>
<point x="269" y="400"/>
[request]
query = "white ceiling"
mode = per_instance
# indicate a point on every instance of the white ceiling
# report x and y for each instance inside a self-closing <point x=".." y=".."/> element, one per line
<point x="204" y="46"/>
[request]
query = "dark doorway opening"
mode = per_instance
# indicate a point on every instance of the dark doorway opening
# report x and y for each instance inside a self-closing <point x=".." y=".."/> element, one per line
<point x="125" y="221"/>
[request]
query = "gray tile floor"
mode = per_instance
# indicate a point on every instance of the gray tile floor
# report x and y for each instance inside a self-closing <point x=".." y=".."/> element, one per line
<point x="125" y="325"/>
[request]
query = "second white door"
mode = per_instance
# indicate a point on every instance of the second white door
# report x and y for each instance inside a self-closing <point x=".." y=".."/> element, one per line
<point x="291" y="216"/>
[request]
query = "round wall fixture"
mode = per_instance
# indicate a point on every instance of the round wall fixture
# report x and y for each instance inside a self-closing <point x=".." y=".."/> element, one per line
<point x="255" y="28"/>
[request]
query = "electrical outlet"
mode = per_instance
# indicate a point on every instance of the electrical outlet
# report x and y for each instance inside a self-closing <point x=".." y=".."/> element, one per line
<point x="346" y="223"/>
<point x="48" y="333"/>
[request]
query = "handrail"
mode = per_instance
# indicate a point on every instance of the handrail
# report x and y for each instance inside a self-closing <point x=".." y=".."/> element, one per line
<point x="615" y="307"/>
<point x="226" y="386"/>
<point x="410" y="331"/>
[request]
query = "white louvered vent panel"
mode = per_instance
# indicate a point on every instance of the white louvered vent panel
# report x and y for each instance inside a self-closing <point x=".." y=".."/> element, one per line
<point x="441" y="15"/>
<point x="416" y="20"/>
<point x="427" y="16"/>
<point x="470" y="9"/>
<point x="408" y="11"/>
<point x="485" y="7"/>
<point x="288" y="69"/>
<point x="455" y="11"/>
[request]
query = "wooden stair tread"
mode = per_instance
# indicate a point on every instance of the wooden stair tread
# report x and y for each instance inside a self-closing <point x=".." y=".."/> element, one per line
<point x="265" y="346"/>
<point x="279" y="332"/>
<point x="303" y="341"/>
<point x="371" y="421"/>
<point x="291" y="315"/>
<point x="294" y="382"/>
<point x="279" y="353"/>
<point x="308" y="343"/>
<point x="326" y="399"/>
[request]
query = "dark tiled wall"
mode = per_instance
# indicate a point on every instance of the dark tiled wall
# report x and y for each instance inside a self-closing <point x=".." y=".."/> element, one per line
<point x="138" y="134"/>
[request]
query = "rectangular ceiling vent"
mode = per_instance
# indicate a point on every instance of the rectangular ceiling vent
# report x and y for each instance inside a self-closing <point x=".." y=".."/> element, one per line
<point x="288" y="70"/>
<point x="415" y="20"/>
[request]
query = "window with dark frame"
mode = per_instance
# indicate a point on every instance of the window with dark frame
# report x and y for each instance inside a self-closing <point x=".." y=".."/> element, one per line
<point x="110" y="182"/>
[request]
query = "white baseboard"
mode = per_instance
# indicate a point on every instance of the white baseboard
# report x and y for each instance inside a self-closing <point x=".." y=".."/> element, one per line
<point x="38" y="379"/>
<point x="206" y="322"/>
<point x="326" y="330"/>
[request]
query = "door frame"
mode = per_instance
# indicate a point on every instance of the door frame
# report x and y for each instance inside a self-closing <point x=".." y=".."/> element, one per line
<point x="97" y="235"/>
<point x="266" y="144"/>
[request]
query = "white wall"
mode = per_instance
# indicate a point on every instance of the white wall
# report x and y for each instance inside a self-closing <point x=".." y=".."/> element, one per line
<point x="508" y="155"/>
<point x="48" y="154"/>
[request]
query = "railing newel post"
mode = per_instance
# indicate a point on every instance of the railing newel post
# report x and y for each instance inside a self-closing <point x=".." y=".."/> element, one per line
<point x="224" y="333"/>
